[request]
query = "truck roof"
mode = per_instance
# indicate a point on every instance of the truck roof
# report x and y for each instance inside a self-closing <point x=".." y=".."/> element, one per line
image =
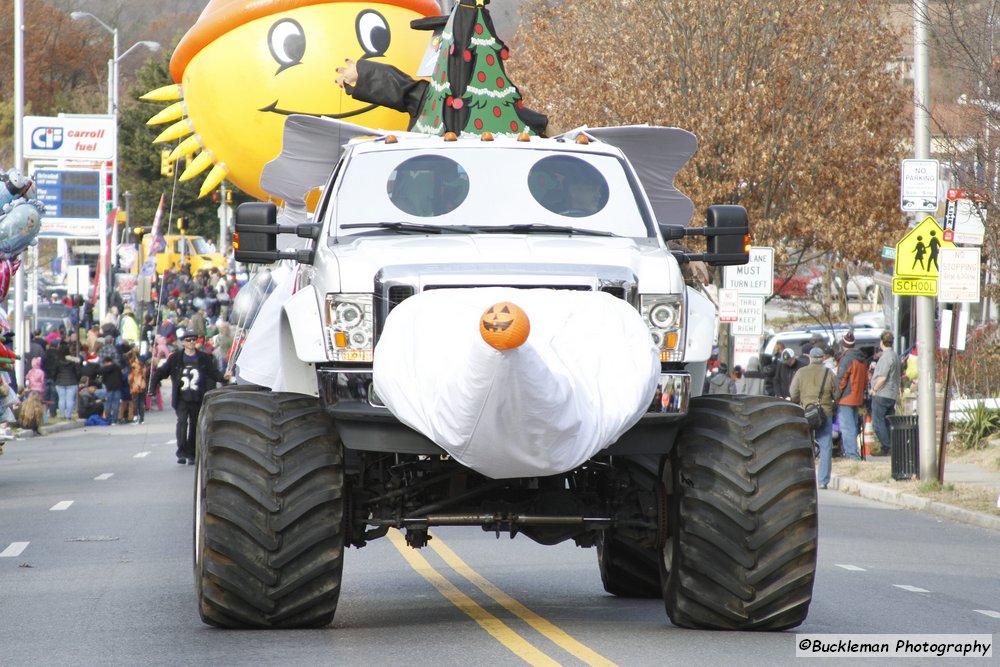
<point x="311" y="147"/>
<point x="410" y="140"/>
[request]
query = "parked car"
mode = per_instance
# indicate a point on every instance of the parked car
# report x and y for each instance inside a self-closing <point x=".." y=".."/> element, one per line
<point x="51" y="316"/>
<point x="795" y="286"/>
<point x="874" y="319"/>
<point x="801" y="340"/>
<point x="859" y="286"/>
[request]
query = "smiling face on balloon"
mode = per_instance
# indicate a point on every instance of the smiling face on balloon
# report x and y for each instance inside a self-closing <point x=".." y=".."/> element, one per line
<point x="241" y="77"/>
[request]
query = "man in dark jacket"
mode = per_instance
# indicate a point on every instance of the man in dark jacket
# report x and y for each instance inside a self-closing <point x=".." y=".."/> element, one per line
<point x="50" y="364"/>
<point x="784" y="371"/>
<point x="111" y="376"/>
<point x="192" y="373"/>
<point x="88" y="404"/>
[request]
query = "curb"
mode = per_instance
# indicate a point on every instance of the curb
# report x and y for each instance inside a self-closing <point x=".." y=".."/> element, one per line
<point x="910" y="501"/>
<point x="26" y="433"/>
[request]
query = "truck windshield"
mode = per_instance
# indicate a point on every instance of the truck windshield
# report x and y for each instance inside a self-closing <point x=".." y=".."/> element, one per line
<point x="478" y="190"/>
<point x="202" y="247"/>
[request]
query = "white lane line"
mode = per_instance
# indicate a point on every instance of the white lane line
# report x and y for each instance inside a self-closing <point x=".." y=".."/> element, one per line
<point x="141" y="455"/>
<point x="852" y="568"/>
<point x="103" y="476"/>
<point x="14" y="549"/>
<point x="912" y="589"/>
<point x="61" y="505"/>
<point x="985" y="612"/>
<point x="171" y="442"/>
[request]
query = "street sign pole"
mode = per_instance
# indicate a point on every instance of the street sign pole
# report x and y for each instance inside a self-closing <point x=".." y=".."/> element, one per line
<point x="925" y="304"/>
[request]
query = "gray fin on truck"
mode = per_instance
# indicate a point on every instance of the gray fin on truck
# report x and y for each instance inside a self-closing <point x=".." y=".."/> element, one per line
<point x="657" y="154"/>
<point x="310" y="148"/>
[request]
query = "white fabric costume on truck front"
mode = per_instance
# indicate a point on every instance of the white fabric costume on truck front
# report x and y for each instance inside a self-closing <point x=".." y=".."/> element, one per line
<point x="585" y="375"/>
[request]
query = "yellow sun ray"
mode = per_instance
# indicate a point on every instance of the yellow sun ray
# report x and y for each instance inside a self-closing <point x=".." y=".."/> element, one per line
<point x="197" y="165"/>
<point x="181" y="128"/>
<point x="185" y="148"/>
<point x="164" y="94"/>
<point x="216" y="176"/>
<point x="188" y="146"/>
<point x="171" y="113"/>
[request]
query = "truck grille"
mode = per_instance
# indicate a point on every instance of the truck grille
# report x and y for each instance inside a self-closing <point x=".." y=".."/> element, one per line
<point x="396" y="283"/>
<point x="396" y="294"/>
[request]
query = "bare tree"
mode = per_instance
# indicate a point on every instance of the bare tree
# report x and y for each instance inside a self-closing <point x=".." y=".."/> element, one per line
<point x="63" y="71"/>
<point x="966" y="116"/>
<point x="798" y="116"/>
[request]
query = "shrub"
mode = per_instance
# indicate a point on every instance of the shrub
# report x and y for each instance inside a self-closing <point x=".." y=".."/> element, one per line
<point x="980" y="424"/>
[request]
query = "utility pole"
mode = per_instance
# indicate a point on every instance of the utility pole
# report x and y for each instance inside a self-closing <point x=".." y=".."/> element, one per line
<point x="925" y="304"/>
<point x="20" y="335"/>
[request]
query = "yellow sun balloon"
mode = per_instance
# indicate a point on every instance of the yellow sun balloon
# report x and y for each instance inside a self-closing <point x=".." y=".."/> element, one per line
<point x="247" y="64"/>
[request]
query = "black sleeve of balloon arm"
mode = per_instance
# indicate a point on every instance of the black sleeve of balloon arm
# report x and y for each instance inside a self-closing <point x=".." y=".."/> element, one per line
<point x="387" y="86"/>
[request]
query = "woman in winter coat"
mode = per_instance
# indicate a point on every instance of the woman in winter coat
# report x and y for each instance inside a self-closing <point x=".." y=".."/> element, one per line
<point x="67" y="381"/>
<point x="160" y="354"/>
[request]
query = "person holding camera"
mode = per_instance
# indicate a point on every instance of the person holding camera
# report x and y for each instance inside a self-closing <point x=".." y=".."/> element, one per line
<point x="813" y="389"/>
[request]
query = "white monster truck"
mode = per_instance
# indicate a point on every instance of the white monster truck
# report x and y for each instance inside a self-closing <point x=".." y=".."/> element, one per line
<point x="378" y="404"/>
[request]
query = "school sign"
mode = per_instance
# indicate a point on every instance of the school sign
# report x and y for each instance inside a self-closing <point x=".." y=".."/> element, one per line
<point x="918" y="260"/>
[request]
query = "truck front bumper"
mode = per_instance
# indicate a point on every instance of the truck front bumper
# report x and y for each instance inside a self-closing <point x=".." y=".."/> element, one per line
<point x="364" y="423"/>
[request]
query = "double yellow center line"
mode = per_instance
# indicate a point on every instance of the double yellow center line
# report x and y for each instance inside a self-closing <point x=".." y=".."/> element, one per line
<point x="493" y="625"/>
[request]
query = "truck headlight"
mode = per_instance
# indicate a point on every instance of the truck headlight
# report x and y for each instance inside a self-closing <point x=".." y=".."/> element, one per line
<point x="349" y="325"/>
<point x="665" y="316"/>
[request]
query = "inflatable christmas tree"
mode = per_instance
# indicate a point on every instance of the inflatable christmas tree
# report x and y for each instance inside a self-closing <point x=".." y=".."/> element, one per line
<point x="491" y="97"/>
<point x="469" y="91"/>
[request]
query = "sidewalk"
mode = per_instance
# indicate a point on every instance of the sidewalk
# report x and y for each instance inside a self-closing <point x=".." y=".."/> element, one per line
<point x="965" y="474"/>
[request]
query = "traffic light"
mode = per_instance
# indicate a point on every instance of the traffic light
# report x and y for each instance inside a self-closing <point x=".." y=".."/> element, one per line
<point x="180" y="225"/>
<point x="166" y="166"/>
<point x="228" y="199"/>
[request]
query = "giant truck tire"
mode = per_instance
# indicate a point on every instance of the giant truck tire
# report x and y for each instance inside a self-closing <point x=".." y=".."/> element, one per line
<point x="741" y="551"/>
<point x="630" y="568"/>
<point x="269" y="511"/>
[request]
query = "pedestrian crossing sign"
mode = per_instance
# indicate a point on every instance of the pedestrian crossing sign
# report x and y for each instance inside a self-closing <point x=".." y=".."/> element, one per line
<point x="917" y="257"/>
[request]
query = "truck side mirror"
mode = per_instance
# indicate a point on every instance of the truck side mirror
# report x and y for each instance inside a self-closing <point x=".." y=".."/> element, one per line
<point x="727" y="229"/>
<point x="256" y="233"/>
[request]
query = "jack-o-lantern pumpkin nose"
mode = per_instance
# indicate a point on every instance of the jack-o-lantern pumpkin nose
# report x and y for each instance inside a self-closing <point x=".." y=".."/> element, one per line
<point x="504" y="326"/>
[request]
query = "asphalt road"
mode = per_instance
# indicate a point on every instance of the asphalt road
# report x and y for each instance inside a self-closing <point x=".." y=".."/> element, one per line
<point x="95" y="569"/>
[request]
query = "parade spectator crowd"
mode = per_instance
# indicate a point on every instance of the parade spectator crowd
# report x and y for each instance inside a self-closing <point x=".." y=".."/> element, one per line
<point x="99" y="370"/>
<point x="851" y="386"/>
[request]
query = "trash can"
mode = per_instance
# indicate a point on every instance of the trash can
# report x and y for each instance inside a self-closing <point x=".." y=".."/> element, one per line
<point x="904" y="436"/>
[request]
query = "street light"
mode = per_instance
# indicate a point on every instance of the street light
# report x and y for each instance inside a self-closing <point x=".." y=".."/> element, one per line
<point x="112" y="74"/>
<point x="113" y="111"/>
